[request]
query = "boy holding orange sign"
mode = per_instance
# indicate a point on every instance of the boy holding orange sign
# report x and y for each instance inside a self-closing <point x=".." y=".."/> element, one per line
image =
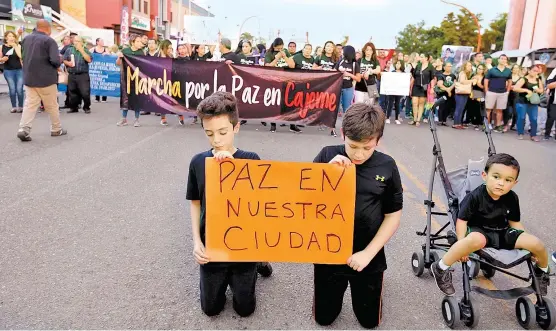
<point x="219" y="117"/>
<point x="378" y="205"/>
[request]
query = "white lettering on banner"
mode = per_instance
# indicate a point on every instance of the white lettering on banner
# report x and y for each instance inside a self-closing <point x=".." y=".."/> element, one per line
<point x="395" y="83"/>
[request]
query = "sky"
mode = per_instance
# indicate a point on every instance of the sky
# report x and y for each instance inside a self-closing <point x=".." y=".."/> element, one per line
<point x="326" y="20"/>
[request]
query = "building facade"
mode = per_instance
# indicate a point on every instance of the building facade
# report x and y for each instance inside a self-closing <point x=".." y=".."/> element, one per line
<point x="531" y="25"/>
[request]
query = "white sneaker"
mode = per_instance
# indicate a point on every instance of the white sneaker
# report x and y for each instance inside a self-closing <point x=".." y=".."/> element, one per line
<point x="387" y="121"/>
<point x="398" y="122"/>
<point x="122" y="122"/>
<point x="136" y="124"/>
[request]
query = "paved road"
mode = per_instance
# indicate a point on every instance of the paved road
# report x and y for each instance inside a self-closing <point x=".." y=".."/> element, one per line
<point x="95" y="227"/>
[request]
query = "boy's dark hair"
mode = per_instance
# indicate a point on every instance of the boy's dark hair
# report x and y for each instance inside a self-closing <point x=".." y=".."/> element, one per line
<point x="218" y="104"/>
<point x="363" y="122"/>
<point x="505" y="159"/>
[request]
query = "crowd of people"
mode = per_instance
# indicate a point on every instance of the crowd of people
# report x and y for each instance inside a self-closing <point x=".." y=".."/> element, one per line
<point x="509" y="92"/>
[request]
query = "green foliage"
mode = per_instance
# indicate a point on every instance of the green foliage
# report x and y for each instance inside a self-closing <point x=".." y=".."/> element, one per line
<point x="247" y="35"/>
<point x="495" y="33"/>
<point x="455" y="29"/>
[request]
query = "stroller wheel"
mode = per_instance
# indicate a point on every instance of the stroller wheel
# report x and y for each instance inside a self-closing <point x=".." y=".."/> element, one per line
<point x="488" y="272"/>
<point x="546" y="315"/>
<point x="418" y="263"/>
<point x="525" y="312"/>
<point x="470" y="313"/>
<point x="450" y="311"/>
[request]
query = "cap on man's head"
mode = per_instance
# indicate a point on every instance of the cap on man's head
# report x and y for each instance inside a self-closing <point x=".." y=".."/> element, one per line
<point x="73" y="34"/>
<point x="226" y="42"/>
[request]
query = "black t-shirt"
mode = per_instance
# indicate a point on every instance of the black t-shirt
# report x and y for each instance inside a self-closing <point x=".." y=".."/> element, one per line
<point x="479" y="209"/>
<point x="325" y="62"/>
<point x="232" y="57"/>
<point x="351" y="67"/>
<point x="448" y="80"/>
<point x="378" y="192"/>
<point x="422" y="76"/>
<point x="206" y="56"/>
<point x="196" y="180"/>
<point x="248" y="59"/>
<point x="14" y="62"/>
<point x="301" y="62"/>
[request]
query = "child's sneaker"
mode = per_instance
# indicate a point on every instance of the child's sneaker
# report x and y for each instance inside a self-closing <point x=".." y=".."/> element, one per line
<point x="443" y="279"/>
<point x="264" y="269"/>
<point x="544" y="280"/>
<point x="136" y="124"/>
<point x="122" y="122"/>
<point x="163" y="123"/>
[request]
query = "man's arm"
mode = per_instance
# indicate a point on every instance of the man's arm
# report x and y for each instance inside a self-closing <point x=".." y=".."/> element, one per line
<point x="509" y="85"/>
<point x="86" y="55"/>
<point x="53" y="54"/>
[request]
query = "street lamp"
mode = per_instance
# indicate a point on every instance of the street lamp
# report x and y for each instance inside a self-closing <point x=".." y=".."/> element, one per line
<point x="474" y="18"/>
<point x="247" y="19"/>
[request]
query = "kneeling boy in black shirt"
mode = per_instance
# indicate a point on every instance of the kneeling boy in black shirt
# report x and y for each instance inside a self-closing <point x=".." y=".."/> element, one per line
<point x="489" y="216"/>
<point x="219" y="118"/>
<point x="378" y="204"/>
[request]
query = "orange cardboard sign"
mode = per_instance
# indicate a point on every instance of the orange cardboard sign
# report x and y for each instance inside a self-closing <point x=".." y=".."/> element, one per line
<point x="279" y="211"/>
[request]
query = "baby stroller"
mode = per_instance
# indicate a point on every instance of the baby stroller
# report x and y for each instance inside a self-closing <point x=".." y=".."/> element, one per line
<point x="457" y="184"/>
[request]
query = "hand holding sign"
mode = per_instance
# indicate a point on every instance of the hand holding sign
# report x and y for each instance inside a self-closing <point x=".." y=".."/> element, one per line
<point x="341" y="161"/>
<point x="222" y="155"/>
<point x="279" y="211"/>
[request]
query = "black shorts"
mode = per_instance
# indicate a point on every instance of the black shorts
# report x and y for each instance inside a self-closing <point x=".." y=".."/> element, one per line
<point x="331" y="281"/>
<point x="418" y="91"/>
<point x="215" y="278"/>
<point x="499" y="239"/>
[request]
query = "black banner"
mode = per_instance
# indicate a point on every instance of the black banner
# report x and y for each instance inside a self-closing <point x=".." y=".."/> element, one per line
<point x="173" y="86"/>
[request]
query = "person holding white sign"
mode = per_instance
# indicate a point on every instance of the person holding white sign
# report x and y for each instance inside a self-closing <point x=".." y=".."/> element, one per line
<point x="395" y="100"/>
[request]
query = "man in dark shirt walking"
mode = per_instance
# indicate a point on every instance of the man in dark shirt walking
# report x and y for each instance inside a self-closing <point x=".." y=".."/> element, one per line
<point x="40" y="74"/>
<point x="77" y="59"/>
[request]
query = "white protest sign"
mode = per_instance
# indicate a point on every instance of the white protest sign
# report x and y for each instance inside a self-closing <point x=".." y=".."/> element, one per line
<point x="395" y="83"/>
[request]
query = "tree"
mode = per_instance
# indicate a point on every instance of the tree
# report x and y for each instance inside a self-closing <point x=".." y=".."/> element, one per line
<point x="246" y="35"/>
<point x="495" y="33"/>
<point x="411" y="37"/>
<point x="460" y="30"/>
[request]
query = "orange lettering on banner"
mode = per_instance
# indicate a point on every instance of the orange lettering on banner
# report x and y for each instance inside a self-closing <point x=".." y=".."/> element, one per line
<point x="279" y="211"/>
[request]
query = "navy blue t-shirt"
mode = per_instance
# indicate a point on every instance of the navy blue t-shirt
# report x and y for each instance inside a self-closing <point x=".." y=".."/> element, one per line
<point x="196" y="180"/>
<point x="378" y="192"/>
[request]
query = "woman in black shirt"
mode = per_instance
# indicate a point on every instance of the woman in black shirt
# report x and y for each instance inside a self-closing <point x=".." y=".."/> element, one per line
<point x="422" y="75"/>
<point x="200" y="54"/>
<point x="329" y="57"/>
<point x="13" y="72"/>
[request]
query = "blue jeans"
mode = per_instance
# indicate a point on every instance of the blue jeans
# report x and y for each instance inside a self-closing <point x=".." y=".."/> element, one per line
<point x="14" y="78"/>
<point x="137" y="113"/>
<point x="532" y="111"/>
<point x="346" y="98"/>
<point x="461" y="101"/>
